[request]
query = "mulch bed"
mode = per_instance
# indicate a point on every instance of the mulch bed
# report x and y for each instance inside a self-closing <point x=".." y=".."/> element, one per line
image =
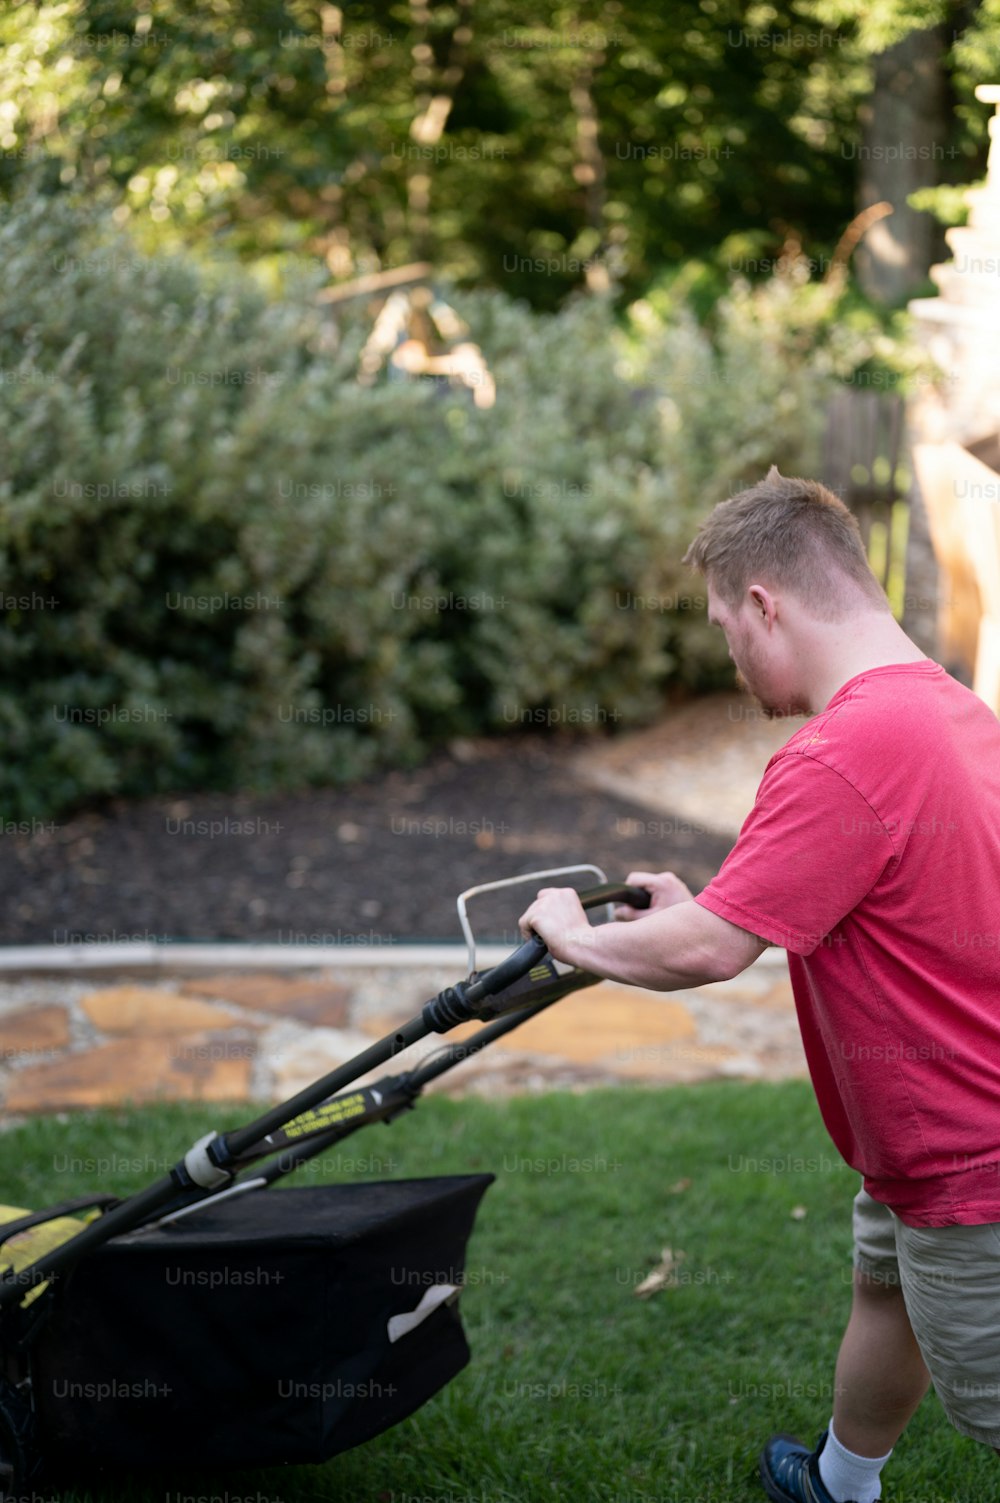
<point x="376" y="863"/>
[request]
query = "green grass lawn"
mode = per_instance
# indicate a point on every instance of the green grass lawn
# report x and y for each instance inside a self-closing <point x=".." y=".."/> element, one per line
<point x="577" y="1389"/>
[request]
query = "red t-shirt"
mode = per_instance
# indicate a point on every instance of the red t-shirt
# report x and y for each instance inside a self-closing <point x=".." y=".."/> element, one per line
<point x="872" y="855"/>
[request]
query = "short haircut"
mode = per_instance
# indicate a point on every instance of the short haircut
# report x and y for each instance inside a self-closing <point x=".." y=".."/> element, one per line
<point x="795" y="534"/>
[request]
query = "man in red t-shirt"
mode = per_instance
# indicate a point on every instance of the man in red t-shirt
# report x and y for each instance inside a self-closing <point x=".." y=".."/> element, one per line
<point x="872" y="856"/>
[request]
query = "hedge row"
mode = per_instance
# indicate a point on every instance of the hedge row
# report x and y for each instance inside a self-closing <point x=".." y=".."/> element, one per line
<point x="227" y="564"/>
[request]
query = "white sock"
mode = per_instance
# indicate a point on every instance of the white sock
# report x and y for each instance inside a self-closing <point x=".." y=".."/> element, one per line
<point x="846" y="1476"/>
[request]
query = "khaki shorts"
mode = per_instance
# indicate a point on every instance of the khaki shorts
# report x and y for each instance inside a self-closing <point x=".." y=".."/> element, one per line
<point x="950" y="1278"/>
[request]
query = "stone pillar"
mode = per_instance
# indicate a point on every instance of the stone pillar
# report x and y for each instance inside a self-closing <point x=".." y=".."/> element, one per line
<point x="957" y="430"/>
<point x="961" y="327"/>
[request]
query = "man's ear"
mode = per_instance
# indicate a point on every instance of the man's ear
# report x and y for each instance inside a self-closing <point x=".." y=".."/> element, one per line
<point x="762" y="601"/>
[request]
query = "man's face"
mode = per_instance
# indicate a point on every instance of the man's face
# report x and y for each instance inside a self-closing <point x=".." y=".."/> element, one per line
<point x="755" y="655"/>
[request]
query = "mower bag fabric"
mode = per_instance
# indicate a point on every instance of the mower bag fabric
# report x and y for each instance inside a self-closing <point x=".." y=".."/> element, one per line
<point x="257" y="1331"/>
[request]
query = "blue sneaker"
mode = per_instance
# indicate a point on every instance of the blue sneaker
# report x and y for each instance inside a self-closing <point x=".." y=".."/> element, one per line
<point x="790" y="1473"/>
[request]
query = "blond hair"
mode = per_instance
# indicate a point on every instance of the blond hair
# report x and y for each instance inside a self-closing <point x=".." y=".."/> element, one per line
<point x="791" y="533"/>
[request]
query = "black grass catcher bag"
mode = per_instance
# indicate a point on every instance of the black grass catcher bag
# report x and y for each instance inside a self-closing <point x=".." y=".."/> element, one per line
<point x="297" y="1323"/>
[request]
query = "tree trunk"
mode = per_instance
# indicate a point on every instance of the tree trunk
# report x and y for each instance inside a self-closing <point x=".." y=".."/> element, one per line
<point x="588" y="169"/>
<point x="434" y="93"/>
<point x="904" y="148"/>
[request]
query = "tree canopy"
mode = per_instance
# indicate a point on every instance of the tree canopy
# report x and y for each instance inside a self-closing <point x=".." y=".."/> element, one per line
<point x="588" y="143"/>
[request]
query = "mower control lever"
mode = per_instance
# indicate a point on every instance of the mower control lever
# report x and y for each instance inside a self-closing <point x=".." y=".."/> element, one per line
<point x="457" y="1004"/>
<point x="530" y="953"/>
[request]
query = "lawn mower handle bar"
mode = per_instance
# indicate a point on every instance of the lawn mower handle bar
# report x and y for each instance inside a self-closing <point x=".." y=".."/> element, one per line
<point x="384" y="1099"/>
<point x="455" y="1004"/>
<point x="452" y="1006"/>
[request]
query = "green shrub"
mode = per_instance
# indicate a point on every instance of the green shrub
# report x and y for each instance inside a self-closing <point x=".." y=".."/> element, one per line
<point x="396" y="565"/>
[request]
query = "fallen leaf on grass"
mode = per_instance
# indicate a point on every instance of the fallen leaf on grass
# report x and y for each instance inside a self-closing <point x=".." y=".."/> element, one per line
<point x="663" y="1276"/>
<point x="682" y="1184"/>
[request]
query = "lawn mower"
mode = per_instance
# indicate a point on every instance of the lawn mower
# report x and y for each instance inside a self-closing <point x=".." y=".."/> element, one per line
<point x="202" y="1322"/>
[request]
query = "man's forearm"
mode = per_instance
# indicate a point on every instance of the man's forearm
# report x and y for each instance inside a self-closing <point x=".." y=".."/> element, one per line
<point x="664" y="951"/>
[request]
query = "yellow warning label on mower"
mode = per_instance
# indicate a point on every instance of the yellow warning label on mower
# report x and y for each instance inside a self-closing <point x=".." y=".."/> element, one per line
<point x="341" y="1109"/>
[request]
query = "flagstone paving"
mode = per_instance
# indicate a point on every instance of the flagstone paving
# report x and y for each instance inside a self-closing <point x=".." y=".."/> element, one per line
<point x="68" y="1044"/>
